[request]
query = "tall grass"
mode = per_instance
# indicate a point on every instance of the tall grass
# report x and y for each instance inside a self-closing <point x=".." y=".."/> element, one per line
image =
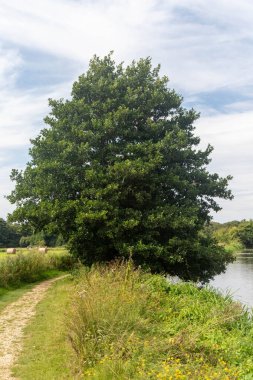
<point x="126" y="324"/>
<point x="30" y="267"/>
<point x="107" y="308"/>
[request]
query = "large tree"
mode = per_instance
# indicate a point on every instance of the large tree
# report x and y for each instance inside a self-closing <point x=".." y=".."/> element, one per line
<point x="118" y="172"/>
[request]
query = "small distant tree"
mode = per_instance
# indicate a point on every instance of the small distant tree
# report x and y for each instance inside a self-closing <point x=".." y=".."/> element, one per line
<point x="118" y="173"/>
<point x="245" y="233"/>
<point x="33" y="240"/>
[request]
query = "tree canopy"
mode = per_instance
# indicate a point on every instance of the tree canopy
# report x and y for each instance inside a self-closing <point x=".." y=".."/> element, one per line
<point x="118" y="172"/>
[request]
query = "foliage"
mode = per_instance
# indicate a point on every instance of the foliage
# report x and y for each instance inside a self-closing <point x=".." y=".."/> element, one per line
<point x="32" y="240"/>
<point x="118" y="173"/>
<point x="245" y="233"/>
<point x="41" y="239"/>
<point x="9" y="234"/>
<point x="126" y="324"/>
<point x="235" y="236"/>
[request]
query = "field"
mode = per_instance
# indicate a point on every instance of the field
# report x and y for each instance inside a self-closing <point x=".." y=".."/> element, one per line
<point x="55" y="251"/>
<point x="30" y="266"/>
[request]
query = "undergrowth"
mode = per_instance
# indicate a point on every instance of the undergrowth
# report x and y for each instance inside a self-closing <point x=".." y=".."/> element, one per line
<point x="126" y="324"/>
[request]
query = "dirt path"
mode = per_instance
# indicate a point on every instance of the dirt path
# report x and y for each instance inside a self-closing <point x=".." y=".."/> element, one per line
<point x="13" y="319"/>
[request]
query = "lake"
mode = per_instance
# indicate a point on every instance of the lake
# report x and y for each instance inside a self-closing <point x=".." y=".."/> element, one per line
<point x="238" y="279"/>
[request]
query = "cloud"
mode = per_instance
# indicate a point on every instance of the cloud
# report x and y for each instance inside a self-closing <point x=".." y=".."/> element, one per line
<point x="232" y="137"/>
<point x="206" y="50"/>
<point x="21" y="118"/>
<point x="10" y="61"/>
<point x="202" y="47"/>
<point x="22" y="109"/>
<point x="77" y="30"/>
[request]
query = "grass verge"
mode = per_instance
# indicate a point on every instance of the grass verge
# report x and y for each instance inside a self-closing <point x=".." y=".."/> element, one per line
<point x="20" y="273"/>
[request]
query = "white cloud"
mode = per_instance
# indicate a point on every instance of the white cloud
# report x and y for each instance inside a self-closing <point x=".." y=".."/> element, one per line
<point x="21" y="118"/>
<point x="5" y="189"/>
<point x="22" y="114"/>
<point x="10" y="61"/>
<point x="77" y="30"/>
<point x="202" y="48"/>
<point x="232" y="137"/>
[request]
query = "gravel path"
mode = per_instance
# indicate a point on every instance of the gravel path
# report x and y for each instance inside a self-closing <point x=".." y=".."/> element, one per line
<point x="13" y="320"/>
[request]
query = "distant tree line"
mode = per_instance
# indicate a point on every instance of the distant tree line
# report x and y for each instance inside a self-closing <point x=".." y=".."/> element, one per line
<point x="15" y="235"/>
<point x="234" y="235"/>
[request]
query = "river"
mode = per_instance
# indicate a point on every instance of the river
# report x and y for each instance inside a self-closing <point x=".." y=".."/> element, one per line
<point x="238" y="279"/>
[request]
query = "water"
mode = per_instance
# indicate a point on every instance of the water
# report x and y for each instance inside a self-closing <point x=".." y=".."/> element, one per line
<point x="238" y="279"/>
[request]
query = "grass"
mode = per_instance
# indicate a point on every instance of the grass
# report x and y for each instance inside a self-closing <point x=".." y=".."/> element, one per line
<point x="19" y="273"/>
<point x="117" y="323"/>
<point x="54" y="251"/>
<point x="28" y="267"/>
<point x="125" y="324"/>
<point x="47" y="353"/>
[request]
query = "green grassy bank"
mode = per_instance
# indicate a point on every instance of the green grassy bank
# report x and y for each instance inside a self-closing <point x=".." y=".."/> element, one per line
<point x="113" y="322"/>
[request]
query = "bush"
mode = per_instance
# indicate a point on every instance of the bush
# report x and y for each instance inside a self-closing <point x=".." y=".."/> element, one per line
<point x="245" y="233"/>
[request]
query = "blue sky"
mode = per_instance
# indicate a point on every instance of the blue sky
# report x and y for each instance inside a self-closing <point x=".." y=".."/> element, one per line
<point x="206" y="49"/>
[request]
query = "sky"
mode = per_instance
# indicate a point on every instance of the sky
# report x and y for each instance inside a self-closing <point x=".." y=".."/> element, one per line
<point x="205" y="48"/>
